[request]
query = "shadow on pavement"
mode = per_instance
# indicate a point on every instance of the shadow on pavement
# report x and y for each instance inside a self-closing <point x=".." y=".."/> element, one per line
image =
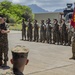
<point x="4" y="67"/>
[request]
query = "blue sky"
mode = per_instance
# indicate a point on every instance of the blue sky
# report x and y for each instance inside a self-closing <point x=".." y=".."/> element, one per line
<point x="49" y="5"/>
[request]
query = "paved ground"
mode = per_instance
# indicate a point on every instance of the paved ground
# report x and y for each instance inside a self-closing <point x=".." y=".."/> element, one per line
<point x="45" y="59"/>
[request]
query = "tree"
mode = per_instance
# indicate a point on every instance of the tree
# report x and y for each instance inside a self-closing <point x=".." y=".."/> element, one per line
<point x="15" y="12"/>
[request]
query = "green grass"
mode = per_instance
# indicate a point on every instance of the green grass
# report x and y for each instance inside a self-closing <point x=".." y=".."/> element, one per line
<point x="15" y="27"/>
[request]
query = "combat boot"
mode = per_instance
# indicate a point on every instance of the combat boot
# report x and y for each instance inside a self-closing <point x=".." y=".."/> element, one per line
<point x="68" y="44"/>
<point x="5" y="63"/>
<point x="72" y="58"/>
<point x="61" y="43"/>
<point x="50" y="42"/>
<point x="58" y="43"/>
<point x="64" y="44"/>
<point x="37" y="41"/>
<point x="53" y="42"/>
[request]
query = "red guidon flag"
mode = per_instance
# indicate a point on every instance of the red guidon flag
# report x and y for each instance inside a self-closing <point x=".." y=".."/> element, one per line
<point x="73" y="19"/>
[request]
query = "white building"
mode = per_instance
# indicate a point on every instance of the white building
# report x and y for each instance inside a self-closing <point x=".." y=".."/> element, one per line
<point x="45" y="16"/>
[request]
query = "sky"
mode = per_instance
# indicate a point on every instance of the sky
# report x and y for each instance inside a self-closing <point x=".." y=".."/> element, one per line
<point x="49" y="5"/>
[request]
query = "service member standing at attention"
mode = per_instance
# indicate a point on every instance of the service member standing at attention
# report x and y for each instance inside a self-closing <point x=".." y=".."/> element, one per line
<point x="3" y="42"/>
<point x="73" y="46"/>
<point x="23" y="30"/>
<point x="48" y="31"/>
<point x="29" y="30"/>
<point x="36" y="31"/>
<point x="19" y="60"/>
<point x="70" y="32"/>
<point x="42" y="31"/>
<point x="56" y="32"/>
<point x="64" y="32"/>
<point x="0" y="43"/>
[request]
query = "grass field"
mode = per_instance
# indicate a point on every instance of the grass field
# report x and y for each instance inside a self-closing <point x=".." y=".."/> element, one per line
<point x="15" y="27"/>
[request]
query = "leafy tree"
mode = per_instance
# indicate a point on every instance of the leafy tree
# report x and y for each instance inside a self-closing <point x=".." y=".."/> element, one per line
<point x="15" y="12"/>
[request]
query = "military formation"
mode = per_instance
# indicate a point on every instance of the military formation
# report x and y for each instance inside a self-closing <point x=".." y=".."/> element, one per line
<point x="48" y="32"/>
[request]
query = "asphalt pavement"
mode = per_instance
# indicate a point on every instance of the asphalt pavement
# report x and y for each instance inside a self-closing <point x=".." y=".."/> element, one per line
<point x="44" y="59"/>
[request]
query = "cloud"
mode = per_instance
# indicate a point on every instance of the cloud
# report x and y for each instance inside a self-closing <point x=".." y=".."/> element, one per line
<point x="16" y="1"/>
<point x="24" y="2"/>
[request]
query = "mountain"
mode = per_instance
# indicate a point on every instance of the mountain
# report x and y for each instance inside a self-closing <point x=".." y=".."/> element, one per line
<point x="59" y="10"/>
<point x="37" y="9"/>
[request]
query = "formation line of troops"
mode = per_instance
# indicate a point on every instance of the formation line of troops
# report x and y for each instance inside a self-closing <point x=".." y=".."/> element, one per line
<point x="52" y="33"/>
<point x="48" y="33"/>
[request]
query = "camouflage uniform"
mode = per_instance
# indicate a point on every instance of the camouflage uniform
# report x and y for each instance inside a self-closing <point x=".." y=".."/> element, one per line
<point x="56" y="34"/>
<point x="70" y="34"/>
<point x="23" y="30"/>
<point x="73" y="46"/>
<point x="29" y="32"/>
<point x="18" y="53"/>
<point x="3" y="44"/>
<point x="36" y="32"/>
<point x="64" y="34"/>
<point x="42" y="33"/>
<point x="7" y="72"/>
<point x="48" y="33"/>
<point x="12" y="72"/>
<point x="60" y="36"/>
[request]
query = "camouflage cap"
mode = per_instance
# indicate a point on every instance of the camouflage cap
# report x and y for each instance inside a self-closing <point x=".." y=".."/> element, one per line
<point x="19" y="52"/>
